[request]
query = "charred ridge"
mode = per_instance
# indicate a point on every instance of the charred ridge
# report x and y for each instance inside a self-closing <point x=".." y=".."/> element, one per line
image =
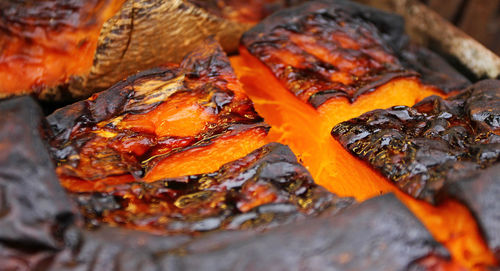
<point x="379" y="234"/>
<point x="204" y="80"/>
<point x="422" y="148"/>
<point x="266" y="188"/>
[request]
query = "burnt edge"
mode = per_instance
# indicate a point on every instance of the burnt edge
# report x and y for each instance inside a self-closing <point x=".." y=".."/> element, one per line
<point x="217" y="200"/>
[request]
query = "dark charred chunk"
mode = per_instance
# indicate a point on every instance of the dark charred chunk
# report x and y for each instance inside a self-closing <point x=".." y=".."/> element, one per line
<point x="89" y="139"/>
<point x="326" y="49"/>
<point x="422" y="147"/>
<point x="266" y="188"/>
<point x="479" y="192"/>
<point x="29" y="214"/>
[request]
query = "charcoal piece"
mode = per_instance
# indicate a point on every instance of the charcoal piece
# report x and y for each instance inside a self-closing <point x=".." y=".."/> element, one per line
<point x="29" y="214"/>
<point x="326" y="49"/>
<point x="421" y="147"/>
<point x="479" y="192"/>
<point x="266" y="188"/>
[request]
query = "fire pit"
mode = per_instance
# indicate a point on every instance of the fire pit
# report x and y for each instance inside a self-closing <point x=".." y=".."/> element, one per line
<point x="326" y="140"/>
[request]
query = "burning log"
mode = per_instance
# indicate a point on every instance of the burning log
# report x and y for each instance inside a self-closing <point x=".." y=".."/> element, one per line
<point x="167" y="122"/>
<point x="44" y="44"/>
<point x="171" y="150"/>
<point x="323" y="50"/>
<point x="342" y="58"/>
<point x="261" y="190"/>
<point x="31" y="217"/>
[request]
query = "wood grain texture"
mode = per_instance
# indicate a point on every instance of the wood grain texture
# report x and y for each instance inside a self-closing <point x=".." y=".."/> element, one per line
<point x="145" y="34"/>
<point x="428" y="28"/>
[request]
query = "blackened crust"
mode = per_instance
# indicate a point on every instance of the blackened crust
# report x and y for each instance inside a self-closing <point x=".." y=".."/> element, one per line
<point x="422" y="147"/>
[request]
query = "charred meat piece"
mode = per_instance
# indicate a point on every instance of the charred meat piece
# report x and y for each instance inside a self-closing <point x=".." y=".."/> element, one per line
<point x="329" y="49"/>
<point x="479" y="191"/>
<point x="421" y="147"/>
<point x="167" y="122"/>
<point x="44" y="43"/>
<point x="263" y="189"/>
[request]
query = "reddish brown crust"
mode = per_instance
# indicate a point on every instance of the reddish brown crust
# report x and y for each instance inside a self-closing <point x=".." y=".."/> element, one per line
<point x="322" y="50"/>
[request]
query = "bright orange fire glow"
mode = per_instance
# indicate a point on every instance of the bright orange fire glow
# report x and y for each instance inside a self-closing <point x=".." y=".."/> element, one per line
<point x="307" y="132"/>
